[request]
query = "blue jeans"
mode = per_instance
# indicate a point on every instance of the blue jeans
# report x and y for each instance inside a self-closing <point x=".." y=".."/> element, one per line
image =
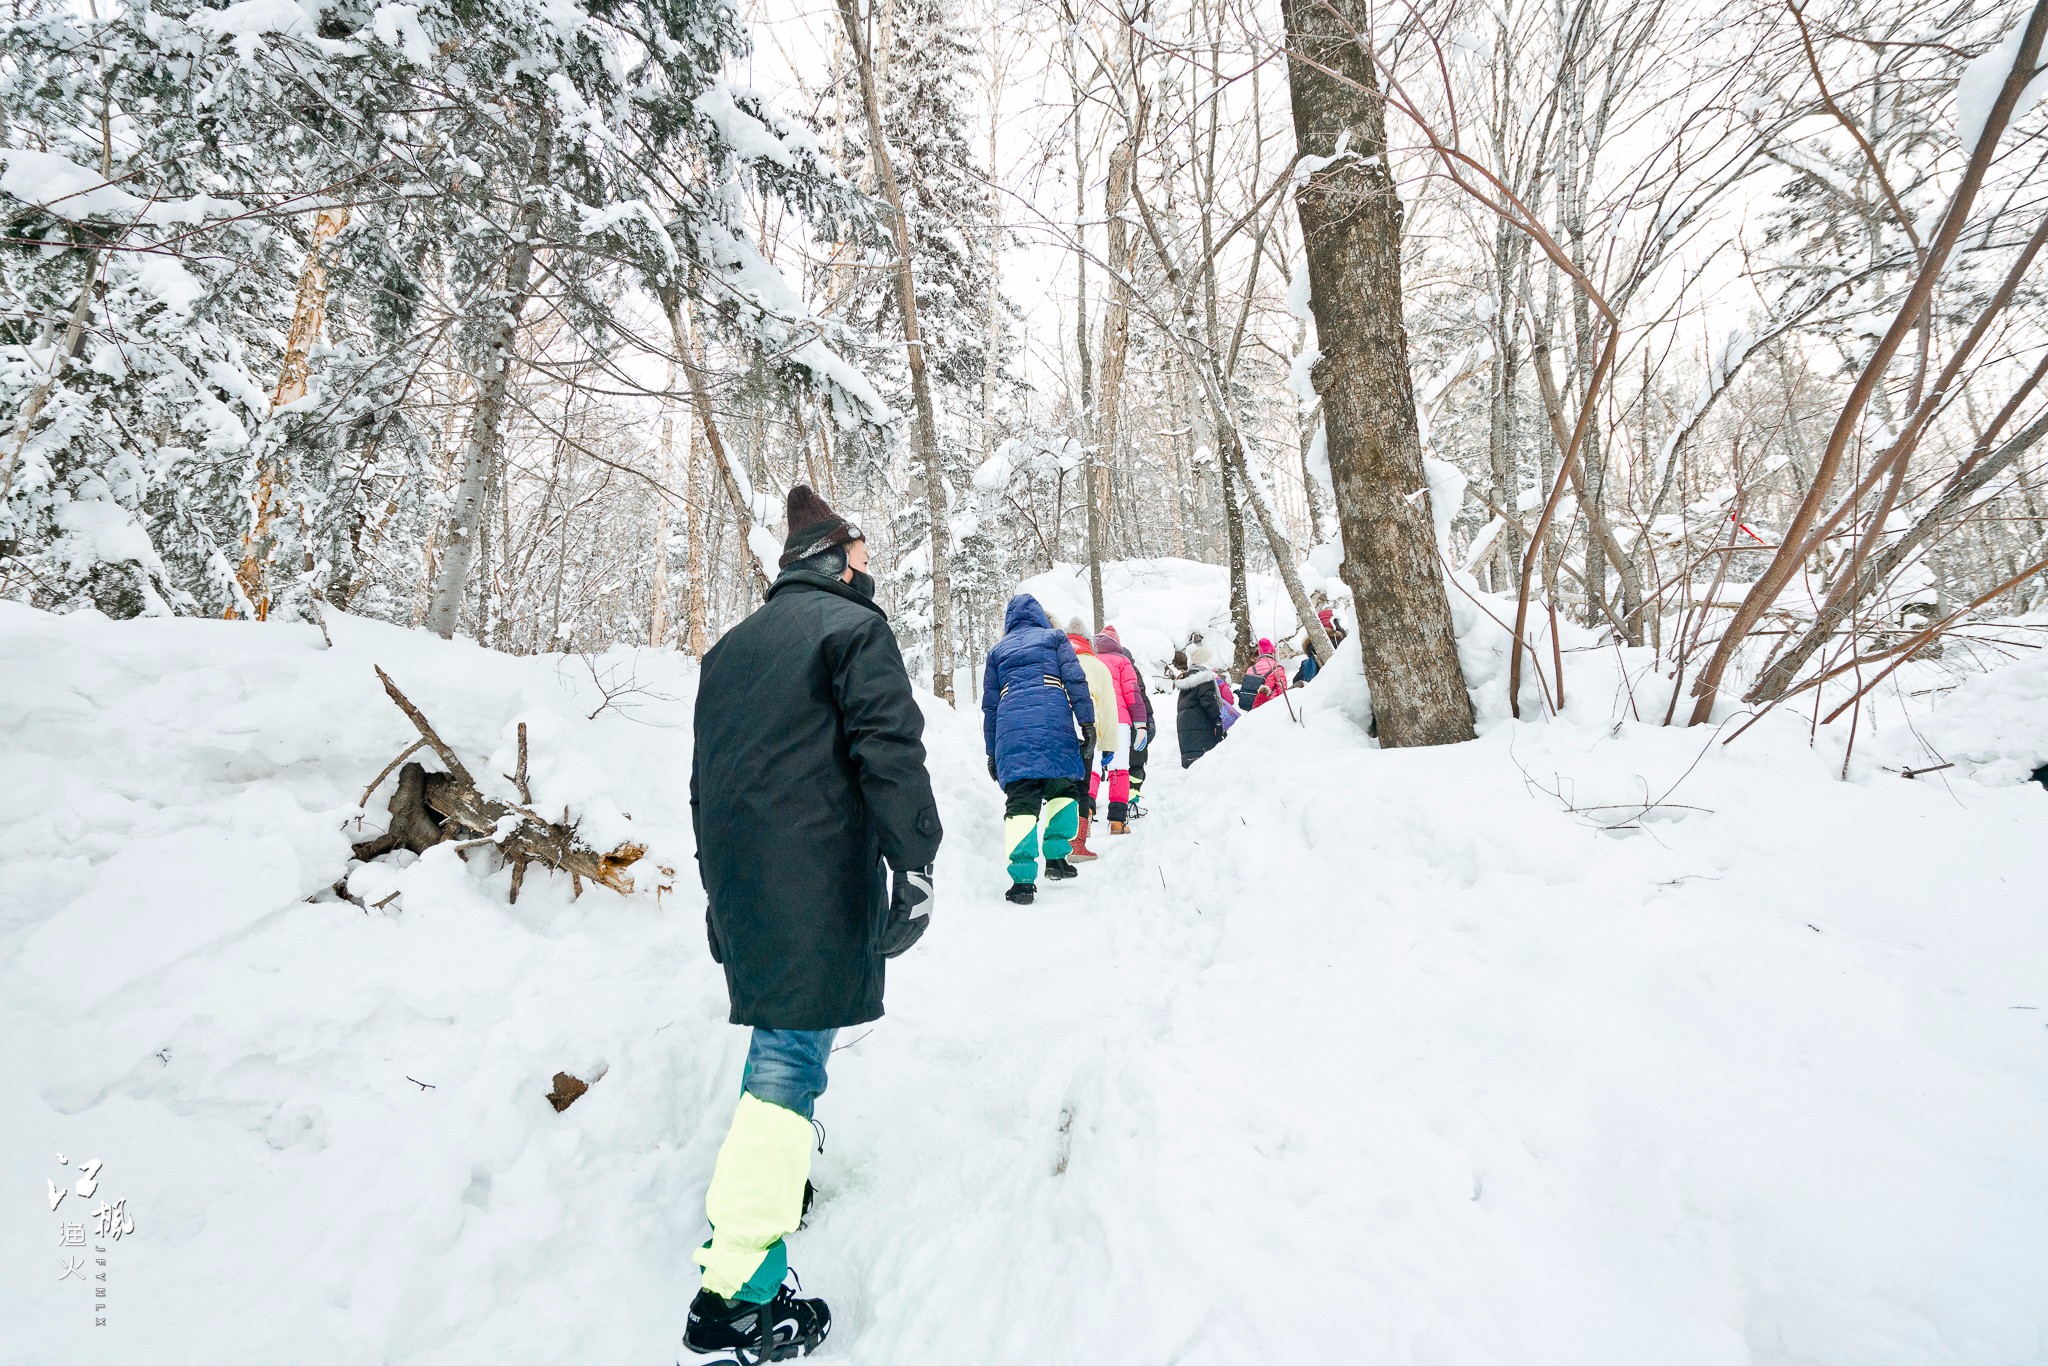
<point x="786" y="1067"/>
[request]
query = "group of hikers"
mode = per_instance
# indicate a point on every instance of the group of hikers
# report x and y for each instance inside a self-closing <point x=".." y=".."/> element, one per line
<point x="1208" y="706"/>
<point x="1065" y="715"/>
<point x="816" y="831"/>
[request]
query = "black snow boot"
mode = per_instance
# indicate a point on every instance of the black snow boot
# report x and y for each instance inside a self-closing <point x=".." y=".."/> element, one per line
<point x="724" y="1332"/>
<point x="1058" y="869"/>
<point x="1021" y="893"/>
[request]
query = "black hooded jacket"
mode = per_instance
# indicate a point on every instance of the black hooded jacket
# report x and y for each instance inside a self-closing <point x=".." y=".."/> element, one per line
<point x="1199" y="715"/>
<point x="808" y="772"/>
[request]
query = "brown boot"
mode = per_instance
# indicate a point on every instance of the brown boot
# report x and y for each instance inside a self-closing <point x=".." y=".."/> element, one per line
<point x="1081" y="853"/>
<point x="1119" y="828"/>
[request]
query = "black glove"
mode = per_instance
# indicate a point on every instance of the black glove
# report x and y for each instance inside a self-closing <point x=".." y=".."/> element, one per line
<point x="1087" y="739"/>
<point x="910" y="909"/>
<point x="992" y="771"/>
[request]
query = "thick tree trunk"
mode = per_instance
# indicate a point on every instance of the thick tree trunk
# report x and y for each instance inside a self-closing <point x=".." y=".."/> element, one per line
<point x="1351" y="232"/>
<point x="924" y="420"/>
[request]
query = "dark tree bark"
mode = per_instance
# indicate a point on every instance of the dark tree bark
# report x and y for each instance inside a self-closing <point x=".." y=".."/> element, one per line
<point x="1351" y="231"/>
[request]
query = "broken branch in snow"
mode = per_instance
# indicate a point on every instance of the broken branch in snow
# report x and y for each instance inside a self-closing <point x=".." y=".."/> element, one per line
<point x="428" y="735"/>
<point x="407" y="753"/>
<point x="431" y="808"/>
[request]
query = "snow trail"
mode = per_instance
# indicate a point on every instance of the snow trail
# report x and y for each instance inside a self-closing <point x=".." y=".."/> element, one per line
<point x="1344" y="1054"/>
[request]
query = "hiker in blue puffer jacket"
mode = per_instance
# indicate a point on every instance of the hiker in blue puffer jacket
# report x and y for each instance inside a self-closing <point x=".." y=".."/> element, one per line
<point x="1038" y="726"/>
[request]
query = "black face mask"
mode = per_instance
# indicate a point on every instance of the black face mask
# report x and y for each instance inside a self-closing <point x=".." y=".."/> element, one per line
<point x="862" y="583"/>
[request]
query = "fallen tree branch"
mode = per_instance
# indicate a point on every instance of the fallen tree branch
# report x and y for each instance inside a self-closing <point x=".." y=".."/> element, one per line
<point x="430" y="808"/>
<point x="427" y="733"/>
<point x="407" y="753"/>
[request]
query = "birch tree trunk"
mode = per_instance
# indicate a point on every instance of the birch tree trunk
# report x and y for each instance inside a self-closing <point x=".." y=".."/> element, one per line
<point x="992" y="312"/>
<point x="486" y="441"/>
<point x="657" y="609"/>
<point x="1351" y="234"/>
<point x="699" y="564"/>
<point x="309" y="313"/>
<point x="721" y="458"/>
<point x="924" y="421"/>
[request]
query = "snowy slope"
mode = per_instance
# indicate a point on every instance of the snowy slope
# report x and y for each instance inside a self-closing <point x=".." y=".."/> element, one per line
<point x="1346" y="1055"/>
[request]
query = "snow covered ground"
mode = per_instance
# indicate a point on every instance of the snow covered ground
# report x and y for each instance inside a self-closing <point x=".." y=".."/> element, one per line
<point x="1345" y="1055"/>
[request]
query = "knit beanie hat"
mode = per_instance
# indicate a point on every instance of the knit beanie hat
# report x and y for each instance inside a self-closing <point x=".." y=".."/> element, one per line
<point x="813" y="527"/>
<point x="1075" y="628"/>
<point x="1265" y="646"/>
<point x="1327" y="617"/>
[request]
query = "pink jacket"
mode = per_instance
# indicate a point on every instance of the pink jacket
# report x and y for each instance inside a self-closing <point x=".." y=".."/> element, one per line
<point x="1126" y="680"/>
<point x="1272" y="679"/>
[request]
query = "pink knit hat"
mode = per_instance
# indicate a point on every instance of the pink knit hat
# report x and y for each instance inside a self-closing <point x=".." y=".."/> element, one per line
<point x="1265" y="646"/>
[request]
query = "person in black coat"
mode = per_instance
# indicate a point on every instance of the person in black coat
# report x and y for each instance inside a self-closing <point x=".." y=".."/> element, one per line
<point x="807" y="786"/>
<point x="1198" y="717"/>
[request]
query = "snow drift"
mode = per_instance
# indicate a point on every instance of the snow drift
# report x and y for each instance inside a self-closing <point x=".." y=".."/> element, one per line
<point x="1581" y="1043"/>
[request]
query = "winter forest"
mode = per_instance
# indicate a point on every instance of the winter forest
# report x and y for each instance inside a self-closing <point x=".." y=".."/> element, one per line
<point x="1720" y="333"/>
<point x="1626" y="420"/>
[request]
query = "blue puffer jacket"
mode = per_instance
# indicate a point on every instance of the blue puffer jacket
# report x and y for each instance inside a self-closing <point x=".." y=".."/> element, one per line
<point x="1032" y="693"/>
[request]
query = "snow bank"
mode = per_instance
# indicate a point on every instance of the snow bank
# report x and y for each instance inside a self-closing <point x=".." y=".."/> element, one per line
<point x="1992" y="724"/>
<point x="1564" y="1046"/>
<point x="1581" y="1044"/>
<point x="186" y="1001"/>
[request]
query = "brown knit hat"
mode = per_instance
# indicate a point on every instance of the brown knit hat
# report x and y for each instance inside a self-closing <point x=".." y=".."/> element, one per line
<point x="813" y="527"/>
